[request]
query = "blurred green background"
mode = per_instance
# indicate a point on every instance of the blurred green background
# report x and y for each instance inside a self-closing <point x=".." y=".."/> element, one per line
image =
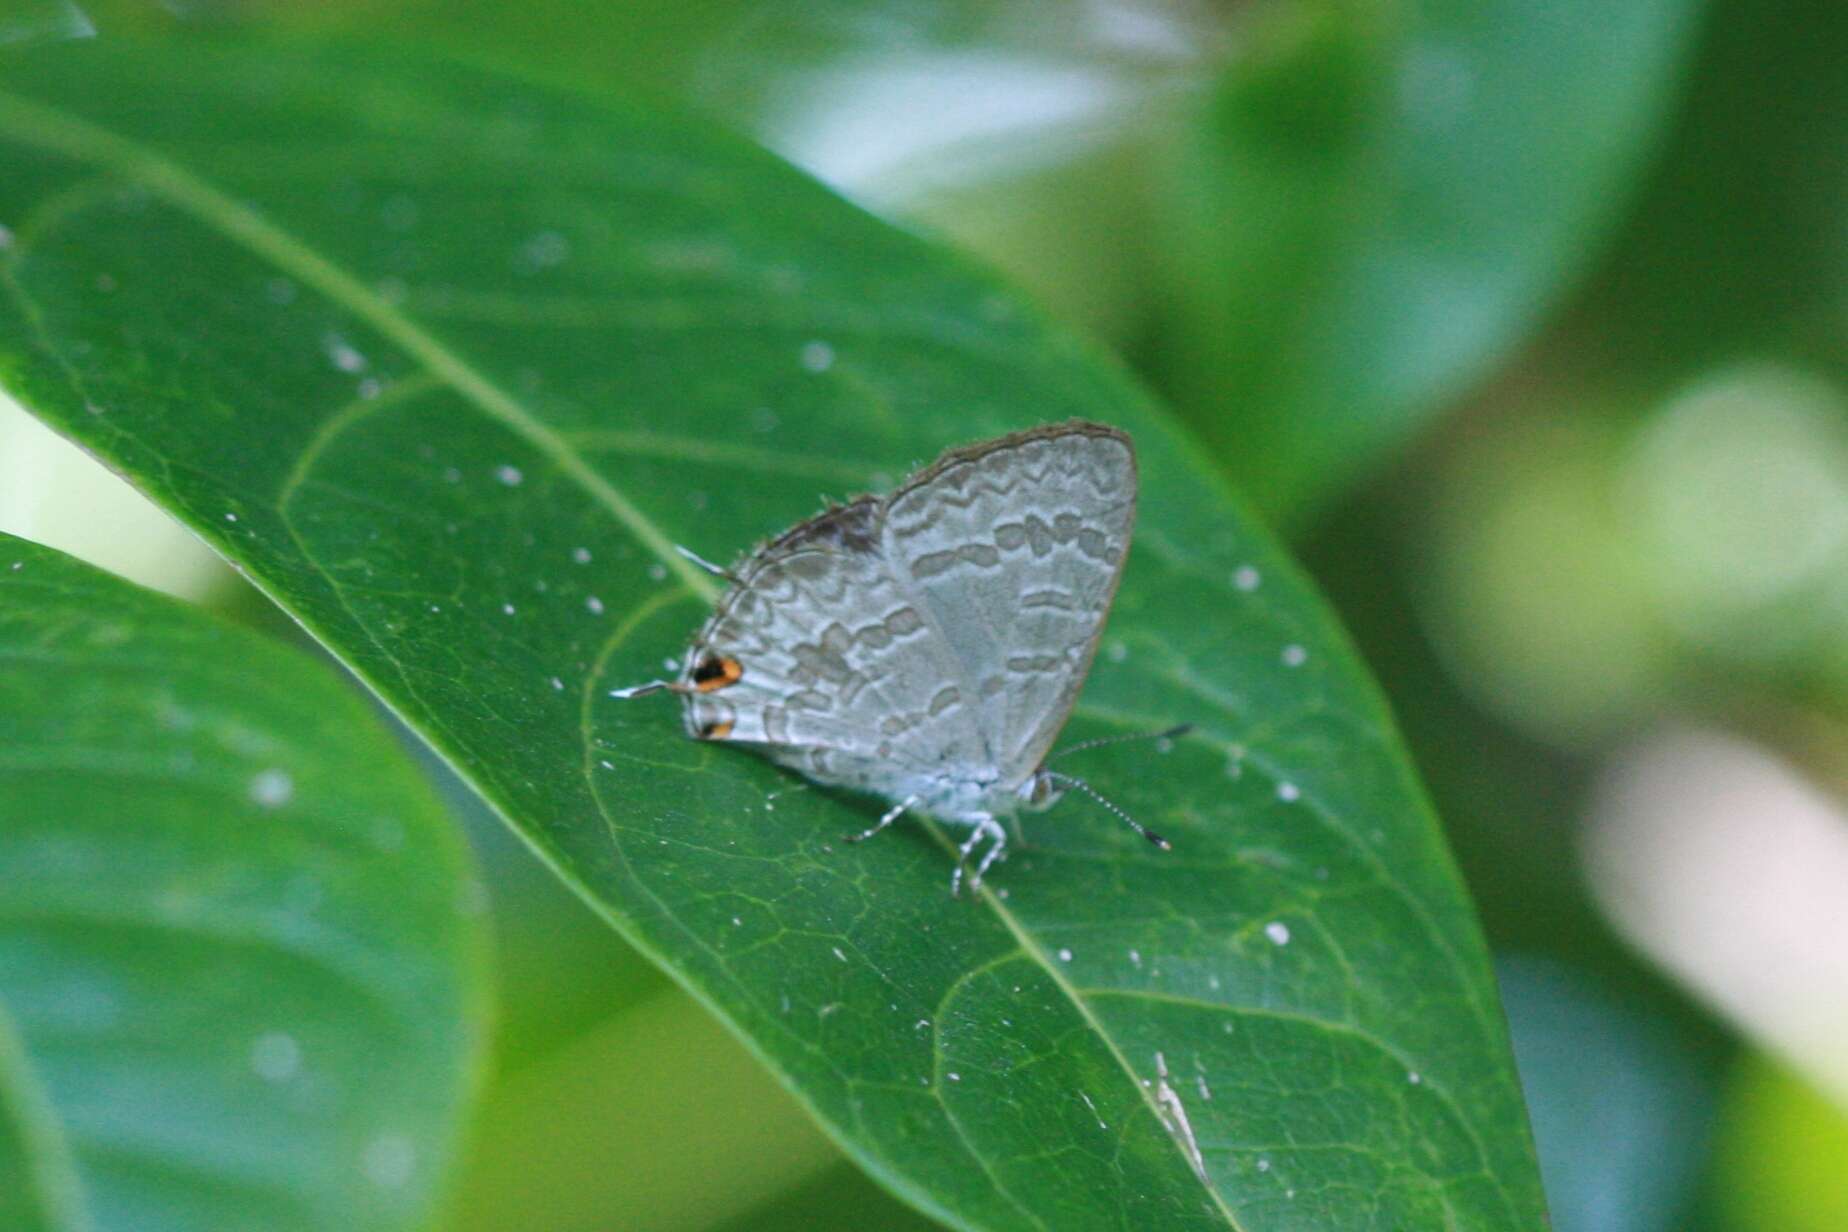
<point x="1528" y="326"/>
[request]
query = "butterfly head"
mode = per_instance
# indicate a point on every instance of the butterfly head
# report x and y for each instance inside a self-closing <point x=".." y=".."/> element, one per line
<point x="1041" y="791"/>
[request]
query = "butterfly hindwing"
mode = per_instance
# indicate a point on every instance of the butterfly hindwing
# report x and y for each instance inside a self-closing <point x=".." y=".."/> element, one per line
<point x="838" y="674"/>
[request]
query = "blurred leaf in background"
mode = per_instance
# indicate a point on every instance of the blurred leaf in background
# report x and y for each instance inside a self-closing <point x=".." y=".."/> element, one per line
<point x="241" y="962"/>
<point x="1381" y="200"/>
<point x="1622" y="1102"/>
<point x="1782" y="1153"/>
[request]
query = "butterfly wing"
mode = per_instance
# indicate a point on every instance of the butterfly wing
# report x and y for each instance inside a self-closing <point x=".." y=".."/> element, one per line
<point x="1012" y="549"/>
<point x="820" y="656"/>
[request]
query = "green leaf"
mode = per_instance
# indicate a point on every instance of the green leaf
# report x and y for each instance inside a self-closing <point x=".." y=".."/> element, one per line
<point x="1381" y="200"/>
<point x="240" y="976"/>
<point x="447" y="363"/>
<point x="1621" y="1102"/>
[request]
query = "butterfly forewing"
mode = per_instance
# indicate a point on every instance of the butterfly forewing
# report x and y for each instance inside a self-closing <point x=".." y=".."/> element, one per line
<point x="1013" y="550"/>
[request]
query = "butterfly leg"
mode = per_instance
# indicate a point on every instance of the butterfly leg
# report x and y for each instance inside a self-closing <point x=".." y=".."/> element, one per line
<point x="985" y="827"/>
<point x="891" y="815"/>
<point x="997" y="852"/>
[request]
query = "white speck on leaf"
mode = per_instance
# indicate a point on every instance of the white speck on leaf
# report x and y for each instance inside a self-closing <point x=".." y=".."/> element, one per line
<point x="272" y="788"/>
<point x="507" y="608"/>
<point x="1413" y="1077"/>
<point x="389" y="1160"/>
<point x="658" y="571"/>
<point x="581" y="555"/>
<point x="1135" y="958"/>
<point x="275" y="1056"/>
<point x="542" y="251"/>
<point x="817" y="356"/>
<point x="230" y="517"/>
<point x="558" y="684"/>
<point x="953" y="1076"/>
<point x="595" y="605"/>
<point x="343" y="354"/>
<point x="1065" y="955"/>
<point x="839" y="955"/>
<point x="509" y="475"/>
<point x="1294" y="655"/>
<point x="1093" y="1107"/>
<point x="1278" y="932"/>
<point x="1288" y="792"/>
<point x="1117" y="652"/>
<point x="1246" y="578"/>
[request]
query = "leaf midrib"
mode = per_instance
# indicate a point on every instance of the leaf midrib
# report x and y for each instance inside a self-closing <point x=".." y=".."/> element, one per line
<point x="1033" y="950"/>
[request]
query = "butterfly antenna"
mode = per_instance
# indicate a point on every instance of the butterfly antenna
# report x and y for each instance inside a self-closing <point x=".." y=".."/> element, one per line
<point x="1127" y="820"/>
<point x="652" y="686"/>
<point x="705" y="564"/>
<point x="1170" y="733"/>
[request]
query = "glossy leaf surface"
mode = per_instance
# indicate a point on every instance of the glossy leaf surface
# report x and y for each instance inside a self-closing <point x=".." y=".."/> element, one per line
<point x="448" y="364"/>
<point x="240" y="960"/>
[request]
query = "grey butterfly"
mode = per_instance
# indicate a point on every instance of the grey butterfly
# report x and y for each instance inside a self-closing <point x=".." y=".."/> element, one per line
<point x="927" y="646"/>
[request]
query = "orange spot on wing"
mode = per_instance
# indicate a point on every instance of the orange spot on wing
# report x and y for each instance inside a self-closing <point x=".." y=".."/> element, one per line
<point x="715" y="731"/>
<point x="716" y="673"/>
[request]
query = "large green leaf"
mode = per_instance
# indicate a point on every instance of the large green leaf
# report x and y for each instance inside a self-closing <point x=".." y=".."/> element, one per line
<point x="240" y="959"/>
<point x="1381" y="199"/>
<point x="447" y="363"/>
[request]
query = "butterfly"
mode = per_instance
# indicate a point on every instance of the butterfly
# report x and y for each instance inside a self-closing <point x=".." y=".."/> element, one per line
<point x="927" y="646"/>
